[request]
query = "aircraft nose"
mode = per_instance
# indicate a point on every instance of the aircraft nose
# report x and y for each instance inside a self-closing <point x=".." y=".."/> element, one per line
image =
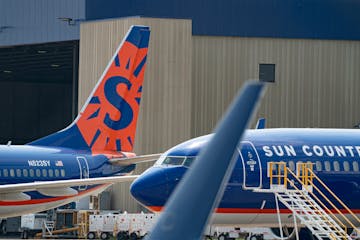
<point x="151" y="188"/>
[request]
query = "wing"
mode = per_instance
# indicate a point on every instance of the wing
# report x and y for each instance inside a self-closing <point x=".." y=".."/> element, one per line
<point x="56" y="188"/>
<point x="188" y="208"/>
<point x="133" y="160"/>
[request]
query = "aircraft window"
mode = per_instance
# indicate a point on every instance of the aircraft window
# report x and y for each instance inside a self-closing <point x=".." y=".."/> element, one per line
<point x="327" y="166"/>
<point x="44" y="173"/>
<point x="355" y="166"/>
<point x="25" y="173"/>
<point x="57" y="173"/>
<point x="38" y="172"/>
<point x="62" y="172"/>
<point x="298" y="163"/>
<point x="173" y="160"/>
<point x="318" y="166"/>
<point x="336" y="166"/>
<point x="346" y="166"/>
<point x="51" y="173"/>
<point x="291" y="165"/>
<point x="188" y="161"/>
<point x="12" y="173"/>
<point x="31" y="171"/>
<point x="18" y="172"/>
<point x="6" y="172"/>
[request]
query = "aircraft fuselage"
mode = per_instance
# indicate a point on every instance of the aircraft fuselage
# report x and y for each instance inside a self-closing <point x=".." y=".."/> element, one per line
<point x="24" y="164"/>
<point x="335" y="154"/>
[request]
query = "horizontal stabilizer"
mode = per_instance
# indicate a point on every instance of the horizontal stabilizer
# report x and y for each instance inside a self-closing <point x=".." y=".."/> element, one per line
<point x="133" y="160"/>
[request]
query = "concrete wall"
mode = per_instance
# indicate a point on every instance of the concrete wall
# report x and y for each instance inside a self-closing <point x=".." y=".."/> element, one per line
<point x="190" y="80"/>
<point x="164" y="118"/>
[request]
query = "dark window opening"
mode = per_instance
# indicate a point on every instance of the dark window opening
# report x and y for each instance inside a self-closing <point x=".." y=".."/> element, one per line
<point x="266" y="72"/>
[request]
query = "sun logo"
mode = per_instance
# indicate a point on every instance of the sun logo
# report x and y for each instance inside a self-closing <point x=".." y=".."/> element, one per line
<point x="109" y="120"/>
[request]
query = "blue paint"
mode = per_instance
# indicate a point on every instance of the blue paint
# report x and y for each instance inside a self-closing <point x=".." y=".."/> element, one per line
<point x="117" y="61"/>
<point x="149" y="188"/>
<point x="119" y="103"/>
<point x="314" y="19"/>
<point x="94" y="115"/>
<point x="139" y="37"/>
<point x="118" y="144"/>
<point x="140" y="67"/>
<point x="130" y="141"/>
<point x="68" y="138"/>
<point x="97" y="134"/>
<point x="94" y="100"/>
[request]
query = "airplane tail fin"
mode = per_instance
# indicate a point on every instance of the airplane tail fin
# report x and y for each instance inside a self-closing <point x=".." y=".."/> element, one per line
<point x="107" y="121"/>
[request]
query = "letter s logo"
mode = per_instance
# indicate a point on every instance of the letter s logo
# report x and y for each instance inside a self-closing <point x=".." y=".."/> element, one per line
<point x="119" y="103"/>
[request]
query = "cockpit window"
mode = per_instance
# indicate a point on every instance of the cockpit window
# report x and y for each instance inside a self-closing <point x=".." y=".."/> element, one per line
<point x="176" y="160"/>
<point x="173" y="160"/>
<point x="188" y="161"/>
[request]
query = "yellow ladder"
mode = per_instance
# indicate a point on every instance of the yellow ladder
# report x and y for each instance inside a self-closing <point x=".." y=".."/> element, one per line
<point x="305" y="204"/>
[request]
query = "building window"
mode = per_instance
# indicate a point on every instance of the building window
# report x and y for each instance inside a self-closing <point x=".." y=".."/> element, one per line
<point x="266" y="72"/>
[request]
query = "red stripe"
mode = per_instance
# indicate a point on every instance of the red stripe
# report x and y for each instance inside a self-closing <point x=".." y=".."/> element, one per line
<point x="252" y="210"/>
<point x="46" y="200"/>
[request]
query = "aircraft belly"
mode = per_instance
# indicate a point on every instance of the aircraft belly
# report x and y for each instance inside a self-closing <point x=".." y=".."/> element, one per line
<point x="17" y="208"/>
<point x="56" y="192"/>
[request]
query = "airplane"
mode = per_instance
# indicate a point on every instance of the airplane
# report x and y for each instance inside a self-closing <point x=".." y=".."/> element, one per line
<point x="93" y="152"/>
<point x="187" y="212"/>
<point x="335" y="154"/>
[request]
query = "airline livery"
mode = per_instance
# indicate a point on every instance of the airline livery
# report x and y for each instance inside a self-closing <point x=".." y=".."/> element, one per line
<point x="92" y="153"/>
<point x="335" y="154"/>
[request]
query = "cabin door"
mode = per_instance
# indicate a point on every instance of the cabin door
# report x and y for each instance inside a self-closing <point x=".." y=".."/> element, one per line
<point x="84" y="170"/>
<point x="252" y="173"/>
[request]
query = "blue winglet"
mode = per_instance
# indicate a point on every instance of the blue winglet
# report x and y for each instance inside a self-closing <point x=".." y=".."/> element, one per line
<point x="189" y="207"/>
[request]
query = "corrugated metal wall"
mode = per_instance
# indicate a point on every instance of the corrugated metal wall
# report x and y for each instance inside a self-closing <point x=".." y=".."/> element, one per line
<point x="165" y="116"/>
<point x="36" y="21"/>
<point x="317" y="81"/>
<point x="190" y="80"/>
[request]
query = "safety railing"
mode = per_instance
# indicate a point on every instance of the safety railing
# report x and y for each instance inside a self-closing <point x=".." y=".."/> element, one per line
<point x="279" y="175"/>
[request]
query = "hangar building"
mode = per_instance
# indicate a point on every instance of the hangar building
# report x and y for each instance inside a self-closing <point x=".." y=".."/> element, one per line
<point x="53" y="52"/>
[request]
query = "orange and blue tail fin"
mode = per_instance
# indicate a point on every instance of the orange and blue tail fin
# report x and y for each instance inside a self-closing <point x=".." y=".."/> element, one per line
<point x="107" y="122"/>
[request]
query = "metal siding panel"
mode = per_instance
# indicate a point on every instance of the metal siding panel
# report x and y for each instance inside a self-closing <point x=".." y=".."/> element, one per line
<point x="165" y="116"/>
<point x="316" y="81"/>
